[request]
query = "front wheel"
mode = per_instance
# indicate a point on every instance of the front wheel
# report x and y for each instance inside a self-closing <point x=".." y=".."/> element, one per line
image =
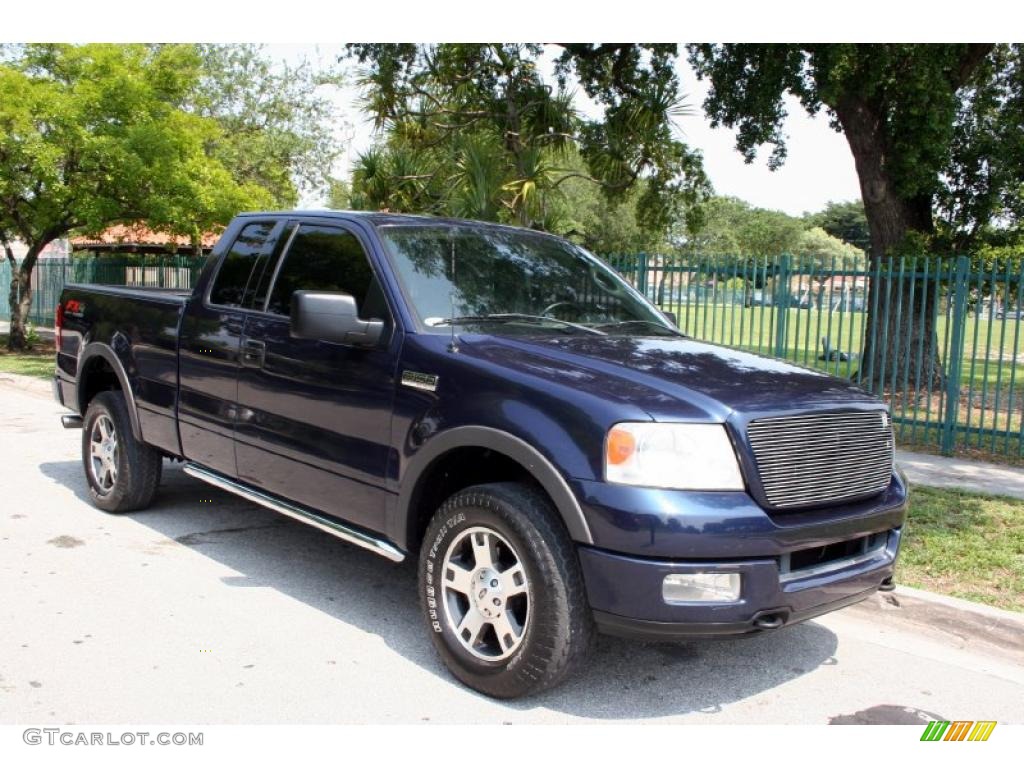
<point x="123" y="473"/>
<point x="502" y="591"/>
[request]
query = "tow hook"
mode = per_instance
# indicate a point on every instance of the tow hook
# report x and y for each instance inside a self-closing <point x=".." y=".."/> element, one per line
<point x="887" y="586"/>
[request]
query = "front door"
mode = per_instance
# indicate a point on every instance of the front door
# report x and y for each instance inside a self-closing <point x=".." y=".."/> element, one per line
<point x="314" y="417"/>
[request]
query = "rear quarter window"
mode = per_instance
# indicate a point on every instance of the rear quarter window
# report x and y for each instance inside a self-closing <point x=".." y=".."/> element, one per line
<point x="249" y="249"/>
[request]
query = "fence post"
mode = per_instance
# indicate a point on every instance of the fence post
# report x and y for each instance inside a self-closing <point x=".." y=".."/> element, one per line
<point x="781" y="305"/>
<point x="641" y="273"/>
<point x="954" y="358"/>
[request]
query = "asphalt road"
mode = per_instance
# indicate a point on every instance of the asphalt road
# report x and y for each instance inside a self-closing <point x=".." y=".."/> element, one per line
<point x="206" y="609"/>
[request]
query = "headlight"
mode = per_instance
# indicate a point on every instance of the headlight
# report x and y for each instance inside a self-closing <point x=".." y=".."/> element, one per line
<point x="696" y="457"/>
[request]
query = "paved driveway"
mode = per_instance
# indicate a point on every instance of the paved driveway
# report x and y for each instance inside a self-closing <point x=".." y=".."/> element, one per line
<point x="208" y="609"/>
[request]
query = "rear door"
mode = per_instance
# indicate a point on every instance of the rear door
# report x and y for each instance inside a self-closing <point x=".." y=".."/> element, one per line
<point x="208" y="347"/>
<point x="314" y="416"/>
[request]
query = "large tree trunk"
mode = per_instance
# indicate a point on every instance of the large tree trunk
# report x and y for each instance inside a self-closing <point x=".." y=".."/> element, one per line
<point x="19" y="296"/>
<point x="891" y="343"/>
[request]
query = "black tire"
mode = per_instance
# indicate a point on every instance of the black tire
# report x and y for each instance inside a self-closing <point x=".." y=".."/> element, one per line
<point x="559" y="633"/>
<point x="138" y="465"/>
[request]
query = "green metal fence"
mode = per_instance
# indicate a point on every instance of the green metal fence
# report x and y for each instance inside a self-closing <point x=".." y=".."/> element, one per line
<point x="50" y="275"/>
<point x="954" y="381"/>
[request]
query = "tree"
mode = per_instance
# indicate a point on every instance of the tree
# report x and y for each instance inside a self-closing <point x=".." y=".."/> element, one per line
<point x="339" y="195"/>
<point x="897" y="105"/>
<point x="476" y="130"/>
<point x="846" y="221"/>
<point x="733" y="227"/>
<point x="605" y="227"/>
<point x="817" y="247"/>
<point x="96" y="134"/>
<point x="279" y="130"/>
<point x="980" y="203"/>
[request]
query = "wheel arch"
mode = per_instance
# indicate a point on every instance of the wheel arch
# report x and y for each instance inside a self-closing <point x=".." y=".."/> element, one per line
<point x="100" y="360"/>
<point x="423" y="467"/>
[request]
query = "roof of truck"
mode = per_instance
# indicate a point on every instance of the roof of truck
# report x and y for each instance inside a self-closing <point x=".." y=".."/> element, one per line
<point x="385" y="218"/>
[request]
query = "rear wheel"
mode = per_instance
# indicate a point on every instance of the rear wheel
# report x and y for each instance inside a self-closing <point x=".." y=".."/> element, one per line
<point x="502" y="591"/>
<point x="123" y="473"/>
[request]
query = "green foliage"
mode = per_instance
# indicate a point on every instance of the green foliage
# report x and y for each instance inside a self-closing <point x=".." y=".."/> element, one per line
<point x="980" y="203"/>
<point x="475" y="130"/>
<point x="31" y="336"/>
<point x="584" y="214"/>
<point x="95" y="134"/>
<point x="277" y="124"/>
<point x="339" y="195"/>
<point x="846" y="221"/>
<point x="818" y="247"/>
<point x="733" y="227"/>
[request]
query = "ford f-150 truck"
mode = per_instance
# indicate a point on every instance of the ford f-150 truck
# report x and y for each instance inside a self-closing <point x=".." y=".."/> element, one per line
<point x="506" y="410"/>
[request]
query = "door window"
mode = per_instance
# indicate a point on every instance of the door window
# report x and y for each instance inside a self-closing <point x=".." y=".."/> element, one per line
<point x="327" y="259"/>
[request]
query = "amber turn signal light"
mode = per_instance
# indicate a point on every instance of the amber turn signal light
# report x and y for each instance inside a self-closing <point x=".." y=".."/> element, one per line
<point x="621" y="445"/>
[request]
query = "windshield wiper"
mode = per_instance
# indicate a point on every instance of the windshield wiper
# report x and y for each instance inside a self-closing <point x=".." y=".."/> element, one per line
<point x="515" y="317"/>
<point x="652" y="323"/>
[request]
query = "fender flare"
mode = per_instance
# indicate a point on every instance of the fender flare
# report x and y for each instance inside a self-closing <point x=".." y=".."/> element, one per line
<point x="97" y="349"/>
<point x="542" y="470"/>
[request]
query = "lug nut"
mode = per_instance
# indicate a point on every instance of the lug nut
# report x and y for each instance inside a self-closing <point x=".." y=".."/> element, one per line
<point x="497" y="601"/>
<point x="494" y="582"/>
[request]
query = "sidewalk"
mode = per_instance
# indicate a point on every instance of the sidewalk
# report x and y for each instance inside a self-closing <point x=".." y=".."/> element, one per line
<point x="976" y="476"/>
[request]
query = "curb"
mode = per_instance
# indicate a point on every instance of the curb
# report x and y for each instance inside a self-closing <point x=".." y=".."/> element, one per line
<point x="968" y="622"/>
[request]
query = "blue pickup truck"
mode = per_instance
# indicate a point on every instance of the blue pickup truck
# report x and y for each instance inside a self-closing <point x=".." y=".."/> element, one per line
<point x="503" y="408"/>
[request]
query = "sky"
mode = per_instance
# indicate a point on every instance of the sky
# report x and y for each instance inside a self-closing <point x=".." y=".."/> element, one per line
<point x="818" y="168"/>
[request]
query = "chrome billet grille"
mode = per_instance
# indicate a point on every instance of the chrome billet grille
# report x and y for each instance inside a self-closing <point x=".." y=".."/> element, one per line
<point x="822" y="458"/>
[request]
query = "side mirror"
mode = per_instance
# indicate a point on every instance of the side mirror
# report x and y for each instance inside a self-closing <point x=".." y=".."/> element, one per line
<point x="332" y="317"/>
<point x="671" y="317"/>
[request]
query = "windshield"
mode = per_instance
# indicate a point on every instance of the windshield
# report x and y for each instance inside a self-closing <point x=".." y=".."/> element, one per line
<point x="513" y="281"/>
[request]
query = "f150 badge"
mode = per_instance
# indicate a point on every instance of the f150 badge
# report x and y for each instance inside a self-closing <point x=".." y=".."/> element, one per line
<point x="416" y="380"/>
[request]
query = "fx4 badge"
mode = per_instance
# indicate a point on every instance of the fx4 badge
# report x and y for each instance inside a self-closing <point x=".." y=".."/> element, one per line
<point x="416" y="380"/>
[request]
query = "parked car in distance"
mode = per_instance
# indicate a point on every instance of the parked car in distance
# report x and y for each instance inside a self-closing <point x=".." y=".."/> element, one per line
<point x="502" y="408"/>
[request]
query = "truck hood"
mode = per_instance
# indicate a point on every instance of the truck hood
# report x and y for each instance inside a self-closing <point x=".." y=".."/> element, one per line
<point x="666" y="376"/>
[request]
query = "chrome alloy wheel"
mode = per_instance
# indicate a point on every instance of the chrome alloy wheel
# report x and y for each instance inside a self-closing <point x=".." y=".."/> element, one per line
<point x="485" y="593"/>
<point x="103" y="454"/>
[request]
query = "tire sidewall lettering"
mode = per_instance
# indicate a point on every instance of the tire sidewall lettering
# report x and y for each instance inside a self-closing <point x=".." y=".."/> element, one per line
<point x="432" y="594"/>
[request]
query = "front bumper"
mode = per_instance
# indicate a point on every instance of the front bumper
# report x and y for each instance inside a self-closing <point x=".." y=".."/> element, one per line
<point x="625" y="592"/>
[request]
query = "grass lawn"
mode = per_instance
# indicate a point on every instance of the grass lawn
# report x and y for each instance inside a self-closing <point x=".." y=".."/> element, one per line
<point x="965" y="545"/>
<point x="38" y="361"/>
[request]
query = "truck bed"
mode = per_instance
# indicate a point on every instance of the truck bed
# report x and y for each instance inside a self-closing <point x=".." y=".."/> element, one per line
<point x="139" y="326"/>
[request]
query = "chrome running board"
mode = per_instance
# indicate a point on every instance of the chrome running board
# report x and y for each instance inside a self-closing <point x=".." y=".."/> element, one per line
<point x="342" y="531"/>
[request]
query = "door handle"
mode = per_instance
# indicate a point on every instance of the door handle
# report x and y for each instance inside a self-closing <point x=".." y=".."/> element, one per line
<point x="253" y="353"/>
